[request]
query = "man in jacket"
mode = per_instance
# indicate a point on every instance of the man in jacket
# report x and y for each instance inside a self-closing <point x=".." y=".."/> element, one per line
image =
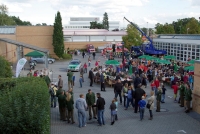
<point x="139" y="92"/>
<point x="91" y="76"/>
<point x="60" y="81"/>
<point x="81" y="107"/>
<point x="181" y="91"/>
<point x="118" y="89"/>
<point x="82" y="72"/>
<point x="100" y="106"/>
<point x="102" y="80"/>
<point x="70" y="80"/>
<point x="188" y="97"/>
<point x="158" y="98"/>
<point x="62" y="106"/>
<point x="137" y="81"/>
<point x="90" y="99"/>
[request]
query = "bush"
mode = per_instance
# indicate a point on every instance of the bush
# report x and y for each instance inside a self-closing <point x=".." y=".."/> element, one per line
<point x="25" y="106"/>
<point x="67" y="56"/>
<point x="5" y="69"/>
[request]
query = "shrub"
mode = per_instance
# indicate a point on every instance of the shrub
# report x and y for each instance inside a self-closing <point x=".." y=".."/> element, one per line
<point x="67" y="56"/>
<point x="5" y="69"/>
<point x="25" y="106"/>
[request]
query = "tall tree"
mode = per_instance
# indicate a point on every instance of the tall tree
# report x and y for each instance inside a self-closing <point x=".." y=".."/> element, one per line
<point x="193" y="26"/>
<point x="58" y="38"/>
<point x="3" y="11"/>
<point x="105" y="22"/>
<point x="19" y="22"/>
<point x="133" y="37"/>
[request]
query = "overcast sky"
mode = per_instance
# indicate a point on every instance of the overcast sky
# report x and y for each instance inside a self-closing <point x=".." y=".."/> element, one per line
<point x="138" y="11"/>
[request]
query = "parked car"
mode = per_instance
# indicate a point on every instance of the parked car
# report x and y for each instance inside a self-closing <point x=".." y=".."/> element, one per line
<point x="42" y="60"/>
<point x="74" y="65"/>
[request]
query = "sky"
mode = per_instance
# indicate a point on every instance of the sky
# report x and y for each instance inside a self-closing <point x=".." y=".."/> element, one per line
<point x="145" y="13"/>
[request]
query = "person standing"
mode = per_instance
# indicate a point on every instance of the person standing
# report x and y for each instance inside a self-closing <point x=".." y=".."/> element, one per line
<point x="137" y="81"/>
<point x="129" y="97"/>
<point x="116" y="103"/>
<point x="157" y="83"/>
<point x="89" y="61"/>
<point x="175" y="88"/>
<point x="83" y="54"/>
<point x="60" y="81"/>
<point x="90" y="99"/>
<point x="151" y="102"/>
<point x="81" y="81"/>
<point x="93" y="54"/>
<point x="102" y="80"/>
<point x="125" y="93"/>
<point x="182" y="93"/>
<point x="117" y="90"/>
<point x="82" y="72"/>
<point x="70" y="108"/>
<point x="91" y="76"/>
<point x="81" y="107"/>
<point x="100" y="106"/>
<point x="163" y="94"/>
<point x="113" y="111"/>
<point x="53" y="91"/>
<point x="188" y="97"/>
<point x="158" y="98"/>
<point x="142" y="104"/>
<point x="62" y="106"/>
<point x="85" y="67"/>
<point x="70" y="83"/>
<point x="139" y="92"/>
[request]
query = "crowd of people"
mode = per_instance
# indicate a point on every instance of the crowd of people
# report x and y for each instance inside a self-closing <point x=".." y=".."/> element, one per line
<point x="130" y="80"/>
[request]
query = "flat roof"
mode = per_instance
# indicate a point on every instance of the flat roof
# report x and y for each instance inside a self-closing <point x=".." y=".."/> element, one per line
<point x="177" y="41"/>
<point x="7" y="29"/>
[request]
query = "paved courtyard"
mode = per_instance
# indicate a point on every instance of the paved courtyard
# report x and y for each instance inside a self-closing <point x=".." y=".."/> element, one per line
<point x="171" y="120"/>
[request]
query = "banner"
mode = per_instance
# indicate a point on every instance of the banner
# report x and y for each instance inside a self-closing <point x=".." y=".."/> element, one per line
<point x="20" y="65"/>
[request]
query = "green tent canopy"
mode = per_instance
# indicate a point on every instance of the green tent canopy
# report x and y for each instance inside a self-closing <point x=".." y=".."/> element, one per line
<point x="151" y="58"/>
<point x="190" y="68"/>
<point x="163" y="62"/>
<point x="35" y="54"/>
<point x="191" y="62"/>
<point x="143" y="56"/>
<point x="112" y="62"/>
<point x="170" y="57"/>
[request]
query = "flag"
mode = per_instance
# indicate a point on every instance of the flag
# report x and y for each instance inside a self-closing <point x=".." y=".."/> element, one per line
<point x="20" y="65"/>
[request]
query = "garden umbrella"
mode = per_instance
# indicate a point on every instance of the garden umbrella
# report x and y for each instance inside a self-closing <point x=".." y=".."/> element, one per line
<point x="170" y="57"/>
<point x="190" y="68"/>
<point x="143" y="56"/>
<point x="163" y="62"/>
<point x="35" y="54"/>
<point x="112" y="62"/>
<point x="191" y="62"/>
<point x="151" y="58"/>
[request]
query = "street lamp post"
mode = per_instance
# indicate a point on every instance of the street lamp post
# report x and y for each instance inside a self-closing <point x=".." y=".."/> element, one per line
<point x="187" y="30"/>
<point x="122" y="54"/>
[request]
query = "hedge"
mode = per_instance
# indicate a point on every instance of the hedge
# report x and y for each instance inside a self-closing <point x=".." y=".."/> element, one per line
<point x="24" y="106"/>
<point x="5" y="69"/>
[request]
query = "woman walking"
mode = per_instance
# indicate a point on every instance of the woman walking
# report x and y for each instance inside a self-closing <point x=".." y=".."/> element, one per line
<point x="113" y="111"/>
<point x="129" y="97"/>
<point x="70" y="108"/>
<point x="151" y="103"/>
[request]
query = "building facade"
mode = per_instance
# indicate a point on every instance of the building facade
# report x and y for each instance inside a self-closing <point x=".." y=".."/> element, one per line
<point x="181" y="46"/>
<point x="84" y="23"/>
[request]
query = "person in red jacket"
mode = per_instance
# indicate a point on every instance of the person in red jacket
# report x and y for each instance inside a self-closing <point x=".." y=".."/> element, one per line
<point x="185" y="78"/>
<point x="85" y="67"/>
<point x="157" y="83"/>
<point x="175" y="87"/>
<point x="96" y="64"/>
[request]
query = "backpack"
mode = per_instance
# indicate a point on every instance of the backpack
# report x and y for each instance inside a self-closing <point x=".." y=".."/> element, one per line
<point x="51" y="91"/>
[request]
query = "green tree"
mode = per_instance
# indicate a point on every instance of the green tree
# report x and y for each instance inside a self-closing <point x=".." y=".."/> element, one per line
<point x="95" y="25"/>
<point x="58" y="38"/>
<point x="193" y="26"/>
<point x="133" y="37"/>
<point x="164" y="29"/>
<point x="5" y="69"/>
<point x="19" y="22"/>
<point x="105" y="22"/>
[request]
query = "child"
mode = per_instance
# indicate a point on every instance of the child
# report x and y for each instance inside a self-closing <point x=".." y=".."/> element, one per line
<point x="175" y="87"/>
<point x="81" y="80"/>
<point x="153" y="86"/>
<point x="89" y="61"/>
<point x="142" y="104"/>
<point x="116" y="103"/>
<point x="113" y="111"/>
<point x="163" y="93"/>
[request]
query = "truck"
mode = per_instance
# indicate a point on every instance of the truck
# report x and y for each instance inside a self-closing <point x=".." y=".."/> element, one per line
<point x="90" y="48"/>
<point x="147" y="47"/>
